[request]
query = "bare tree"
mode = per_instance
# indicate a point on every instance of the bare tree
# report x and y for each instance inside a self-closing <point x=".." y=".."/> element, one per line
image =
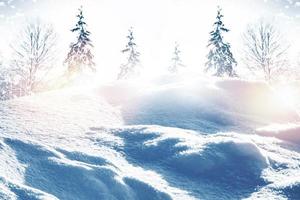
<point x="265" y="51"/>
<point x="33" y="54"/>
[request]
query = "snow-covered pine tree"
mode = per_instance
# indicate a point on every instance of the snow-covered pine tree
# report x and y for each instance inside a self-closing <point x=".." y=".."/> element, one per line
<point x="220" y="58"/>
<point x="80" y="55"/>
<point x="176" y="60"/>
<point x="129" y="68"/>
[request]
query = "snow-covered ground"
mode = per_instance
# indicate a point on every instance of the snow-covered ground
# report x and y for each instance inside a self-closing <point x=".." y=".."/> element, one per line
<point x="171" y="139"/>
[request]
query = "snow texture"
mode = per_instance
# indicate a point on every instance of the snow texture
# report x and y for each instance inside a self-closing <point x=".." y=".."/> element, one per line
<point x="172" y="139"/>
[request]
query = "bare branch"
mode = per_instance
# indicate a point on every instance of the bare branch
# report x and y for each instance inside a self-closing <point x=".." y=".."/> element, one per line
<point x="265" y="52"/>
<point x="34" y="53"/>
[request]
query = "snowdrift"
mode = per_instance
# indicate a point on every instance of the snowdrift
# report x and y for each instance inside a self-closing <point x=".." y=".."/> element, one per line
<point x="152" y="161"/>
<point x="167" y="140"/>
<point x="287" y="132"/>
<point x="199" y="104"/>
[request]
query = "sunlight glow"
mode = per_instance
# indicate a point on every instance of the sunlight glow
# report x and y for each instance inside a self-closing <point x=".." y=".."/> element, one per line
<point x="287" y="95"/>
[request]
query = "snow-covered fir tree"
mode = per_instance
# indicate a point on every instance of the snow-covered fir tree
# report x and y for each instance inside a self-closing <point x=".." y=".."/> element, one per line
<point x="130" y="67"/>
<point x="176" y="60"/>
<point x="220" y="58"/>
<point x="80" y="56"/>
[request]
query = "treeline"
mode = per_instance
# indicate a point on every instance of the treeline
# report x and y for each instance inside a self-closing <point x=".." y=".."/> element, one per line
<point x="34" y="52"/>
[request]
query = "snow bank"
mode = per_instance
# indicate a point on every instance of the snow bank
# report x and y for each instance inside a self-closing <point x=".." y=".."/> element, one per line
<point x="288" y="132"/>
<point x="211" y="165"/>
<point x="199" y="104"/>
<point x="73" y="144"/>
<point x="72" y="175"/>
<point x="193" y="153"/>
<point x="59" y="112"/>
<point x="224" y="159"/>
<point x="151" y="161"/>
<point x="50" y="151"/>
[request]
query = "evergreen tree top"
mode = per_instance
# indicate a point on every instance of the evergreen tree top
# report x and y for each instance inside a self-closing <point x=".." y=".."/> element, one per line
<point x="176" y="52"/>
<point x="80" y="54"/>
<point x="176" y="60"/>
<point x="216" y="34"/>
<point x="131" y="44"/>
<point x="219" y="21"/>
<point x="130" y="67"/>
<point x="80" y="27"/>
<point x="220" y="58"/>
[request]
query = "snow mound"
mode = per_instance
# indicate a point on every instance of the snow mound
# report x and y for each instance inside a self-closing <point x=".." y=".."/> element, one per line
<point x="208" y="166"/>
<point x="287" y="132"/>
<point x="224" y="159"/>
<point x="73" y="175"/>
<point x="152" y="161"/>
<point x="199" y="104"/>
<point x="165" y="141"/>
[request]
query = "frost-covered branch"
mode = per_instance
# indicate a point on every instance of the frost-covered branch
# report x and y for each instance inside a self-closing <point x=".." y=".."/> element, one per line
<point x="33" y="54"/>
<point x="265" y="51"/>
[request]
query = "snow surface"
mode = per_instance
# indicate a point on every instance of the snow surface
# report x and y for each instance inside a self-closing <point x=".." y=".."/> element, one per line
<point x="171" y="139"/>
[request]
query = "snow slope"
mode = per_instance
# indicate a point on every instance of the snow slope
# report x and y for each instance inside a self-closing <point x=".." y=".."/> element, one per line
<point x="177" y="139"/>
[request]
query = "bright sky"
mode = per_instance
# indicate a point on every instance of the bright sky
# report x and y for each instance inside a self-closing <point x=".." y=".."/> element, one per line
<point x="157" y="25"/>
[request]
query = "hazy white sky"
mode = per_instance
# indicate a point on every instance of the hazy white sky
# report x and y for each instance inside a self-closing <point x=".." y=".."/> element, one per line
<point x="157" y="25"/>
